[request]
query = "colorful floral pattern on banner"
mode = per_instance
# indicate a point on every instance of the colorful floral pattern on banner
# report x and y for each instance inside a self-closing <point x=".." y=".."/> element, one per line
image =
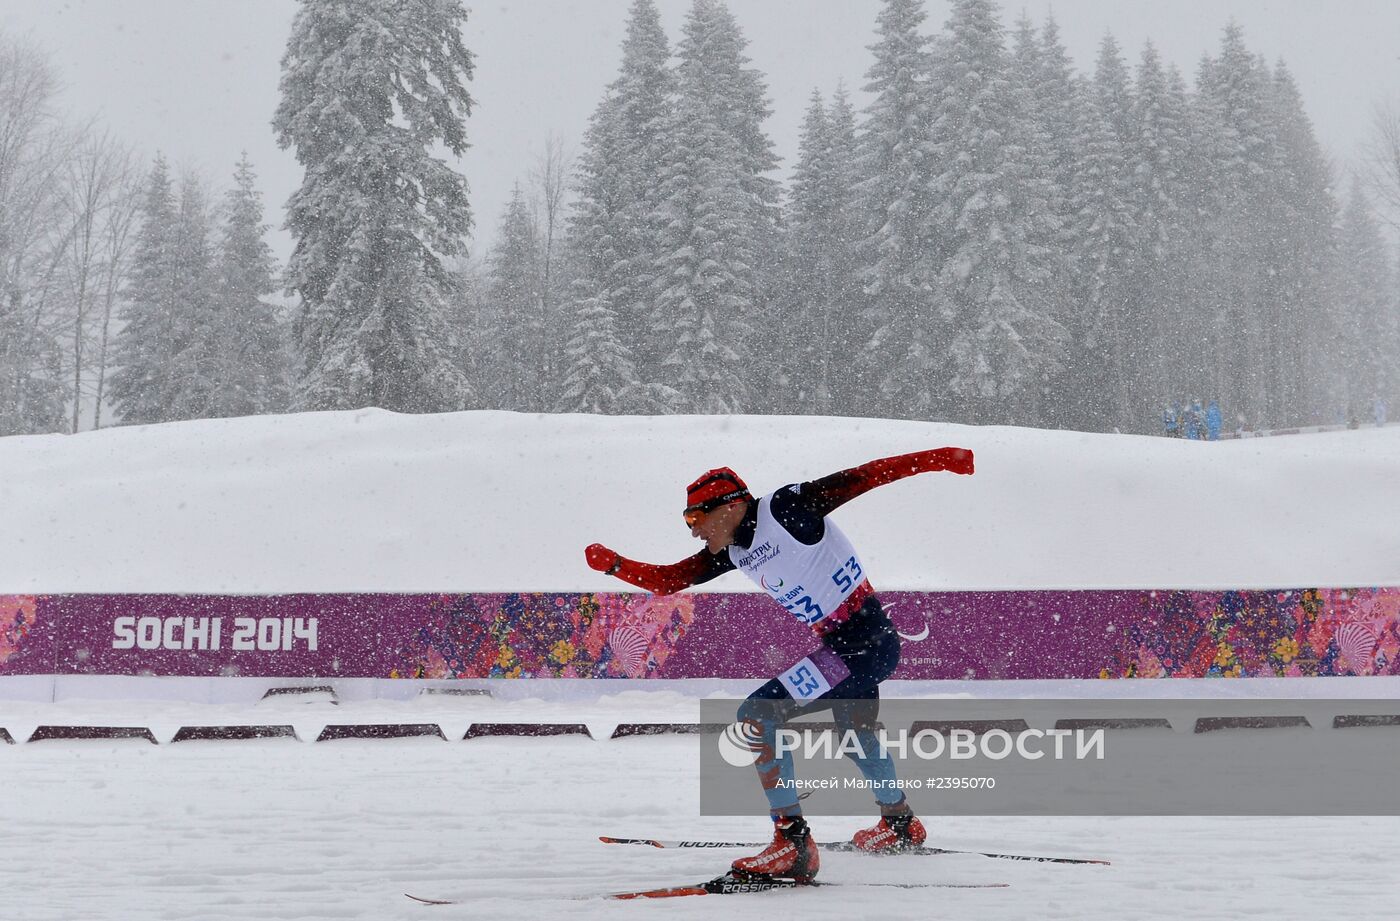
<point x="961" y="636"/>
<point x="18" y="614"/>
<point x="608" y="635"/>
<point x="1301" y="633"/>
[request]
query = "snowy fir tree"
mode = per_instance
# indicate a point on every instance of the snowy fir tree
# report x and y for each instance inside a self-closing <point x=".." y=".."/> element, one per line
<point x="599" y="374"/>
<point x="1105" y="317"/>
<point x="1043" y="199"/>
<point x="249" y="361"/>
<point x="369" y="89"/>
<point x="1054" y="94"/>
<point x="515" y="312"/>
<point x="598" y="370"/>
<point x="1233" y="336"/>
<point x="1112" y="87"/>
<point x="895" y="344"/>
<point x="474" y="345"/>
<point x="1194" y="312"/>
<point x="821" y="290"/>
<point x="1102" y="376"/>
<point x="192" y="368"/>
<point x="154" y="330"/>
<point x="1364" y="332"/>
<point x="1300" y="248"/>
<point x="614" y="233"/>
<point x="197" y="341"/>
<point x="1002" y="343"/>
<point x="1156" y="154"/>
<point x="998" y="239"/>
<point x="718" y="214"/>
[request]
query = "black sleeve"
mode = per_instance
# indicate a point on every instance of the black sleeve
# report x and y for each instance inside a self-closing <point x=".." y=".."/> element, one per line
<point x="826" y="494"/>
<point x="717" y="565"/>
<point x="799" y="509"/>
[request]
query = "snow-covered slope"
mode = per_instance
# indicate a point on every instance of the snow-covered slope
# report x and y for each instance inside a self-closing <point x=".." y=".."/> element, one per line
<point x="489" y="501"/>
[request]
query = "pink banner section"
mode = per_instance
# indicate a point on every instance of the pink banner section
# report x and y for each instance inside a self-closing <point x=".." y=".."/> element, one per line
<point x="947" y="635"/>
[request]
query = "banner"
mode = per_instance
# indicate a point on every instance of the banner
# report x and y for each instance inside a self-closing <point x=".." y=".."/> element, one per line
<point x="946" y="635"/>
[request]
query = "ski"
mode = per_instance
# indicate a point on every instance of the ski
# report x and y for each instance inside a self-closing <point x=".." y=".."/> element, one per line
<point x="848" y="847"/>
<point x="730" y="884"/>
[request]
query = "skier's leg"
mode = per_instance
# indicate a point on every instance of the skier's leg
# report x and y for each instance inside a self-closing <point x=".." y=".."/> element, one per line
<point x="860" y="717"/>
<point x="765" y="711"/>
<point x="858" y="712"/>
<point x="872" y="653"/>
<point x="792" y="853"/>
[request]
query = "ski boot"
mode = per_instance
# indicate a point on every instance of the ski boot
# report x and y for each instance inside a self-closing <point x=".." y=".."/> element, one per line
<point x="895" y="833"/>
<point x="792" y="855"/>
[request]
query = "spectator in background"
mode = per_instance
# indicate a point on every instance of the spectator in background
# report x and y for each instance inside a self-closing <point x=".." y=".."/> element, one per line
<point x="1171" y="420"/>
<point x="1194" y="420"/>
<point x="1379" y="408"/>
<point x="1213" y="421"/>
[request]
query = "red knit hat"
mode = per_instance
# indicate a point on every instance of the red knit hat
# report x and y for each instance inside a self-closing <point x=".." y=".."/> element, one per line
<point x="713" y="489"/>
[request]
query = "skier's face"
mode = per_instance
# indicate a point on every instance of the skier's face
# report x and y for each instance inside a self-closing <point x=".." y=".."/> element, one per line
<point x="716" y="527"/>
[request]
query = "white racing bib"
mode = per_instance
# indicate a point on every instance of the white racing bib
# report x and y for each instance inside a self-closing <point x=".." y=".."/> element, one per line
<point x="809" y="580"/>
<point x="815" y="675"/>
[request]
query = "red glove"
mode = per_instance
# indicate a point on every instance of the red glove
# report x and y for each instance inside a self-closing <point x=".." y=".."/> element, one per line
<point x="602" y="559"/>
<point x="954" y="460"/>
<point x="661" y="580"/>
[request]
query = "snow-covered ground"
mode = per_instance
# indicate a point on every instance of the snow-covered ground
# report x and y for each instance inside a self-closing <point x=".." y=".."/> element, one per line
<point x="294" y="829"/>
<point x="494" y="502"/>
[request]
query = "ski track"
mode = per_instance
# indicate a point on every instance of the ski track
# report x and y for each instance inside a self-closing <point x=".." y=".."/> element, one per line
<point x="279" y="829"/>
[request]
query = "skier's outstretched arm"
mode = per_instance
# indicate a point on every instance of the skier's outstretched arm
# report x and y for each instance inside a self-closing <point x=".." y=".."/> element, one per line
<point x="830" y="492"/>
<point x="658" y="578"/>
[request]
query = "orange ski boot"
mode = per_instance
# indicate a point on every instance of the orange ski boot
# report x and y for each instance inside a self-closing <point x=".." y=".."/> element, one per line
<point x="792" y="855"/>
<point x="895" y="833"/>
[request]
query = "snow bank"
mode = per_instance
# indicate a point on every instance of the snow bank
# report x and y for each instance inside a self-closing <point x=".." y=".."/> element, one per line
<point x="491" y="501"/>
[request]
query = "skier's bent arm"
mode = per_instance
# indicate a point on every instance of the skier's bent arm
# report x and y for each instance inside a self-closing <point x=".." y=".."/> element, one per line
<point x="830" y="492"/>
<point x="662" y="579"/>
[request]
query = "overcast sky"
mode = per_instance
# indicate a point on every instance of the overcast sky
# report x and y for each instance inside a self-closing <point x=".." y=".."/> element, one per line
<point x="197" y="79"/>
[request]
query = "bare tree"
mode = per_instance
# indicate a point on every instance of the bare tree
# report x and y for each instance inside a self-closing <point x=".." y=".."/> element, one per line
<point x="121" y="206"/>
<point x="1381" y="160"/>
<point x="66" y="214"/>
<point x="27" y="90"/>
<point x="97" y="198"/>
<point x="33" y="151"/>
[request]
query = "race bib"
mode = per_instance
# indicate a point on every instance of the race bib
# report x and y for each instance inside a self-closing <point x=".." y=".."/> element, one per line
<point x="815" y="675"/>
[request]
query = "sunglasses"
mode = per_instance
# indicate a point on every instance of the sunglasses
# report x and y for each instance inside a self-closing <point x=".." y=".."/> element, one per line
<point x="693" y="517"/>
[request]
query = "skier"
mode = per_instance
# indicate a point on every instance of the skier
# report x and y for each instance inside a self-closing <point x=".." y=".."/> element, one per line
<point x="785" y="544"/>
